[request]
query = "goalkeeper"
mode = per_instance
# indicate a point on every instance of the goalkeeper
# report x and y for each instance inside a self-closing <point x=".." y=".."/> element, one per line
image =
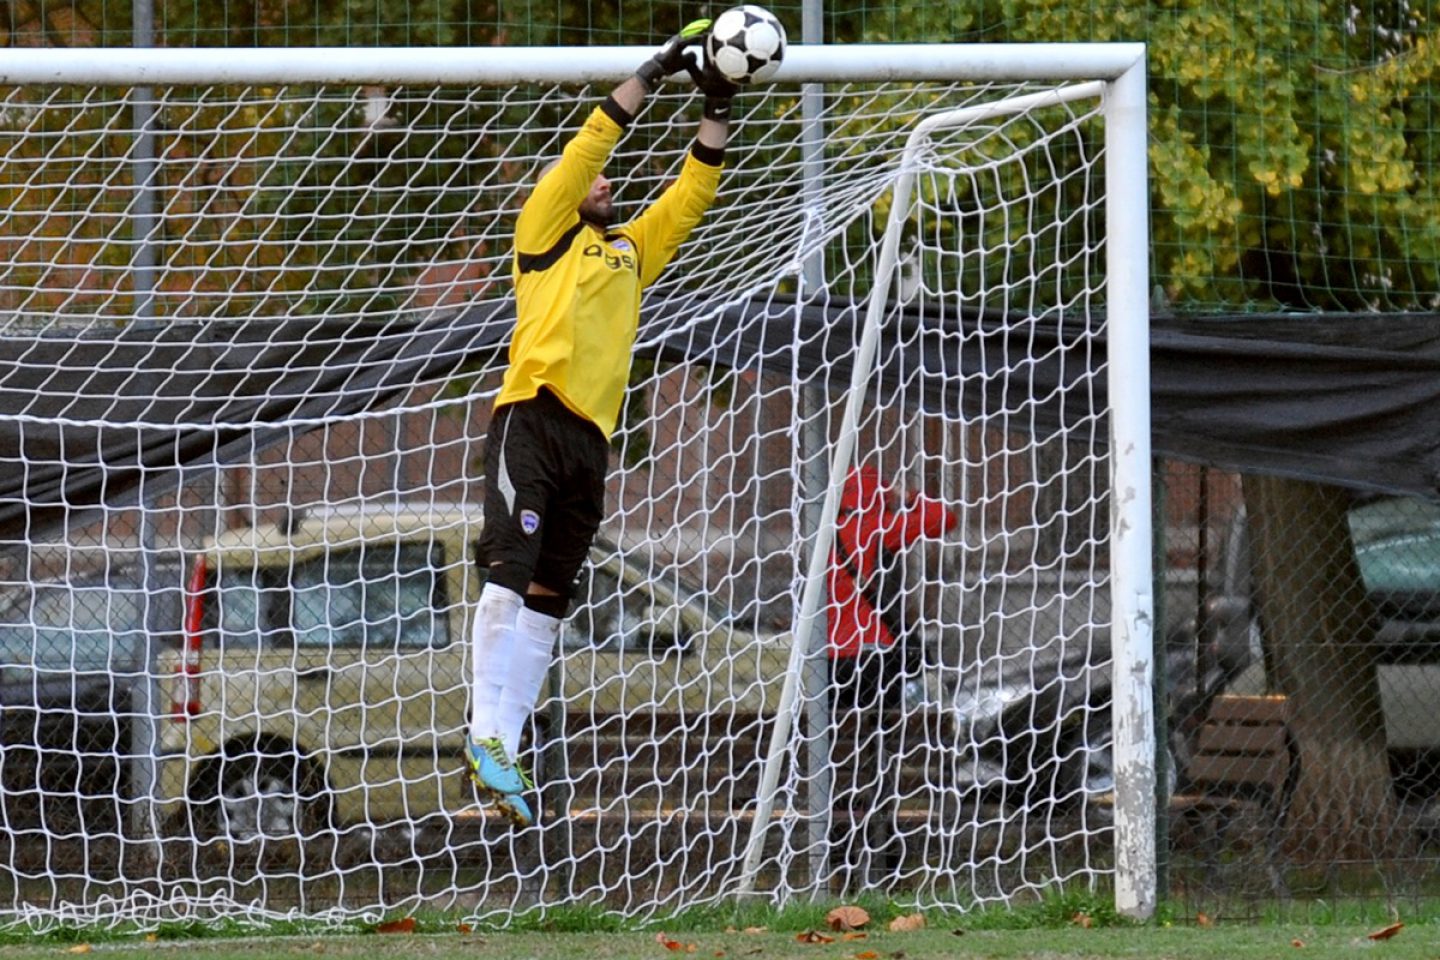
<point x="578" y="281"/>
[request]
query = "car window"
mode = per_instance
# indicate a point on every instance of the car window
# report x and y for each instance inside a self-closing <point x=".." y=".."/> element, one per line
<point x="600" y="618"/>
<point x="688" y="591"/>
<point x="70" y="625"/>
<point x="1397" y="544"/>
<point x="238" y="607"/>
<point x="378" y="596"/>
<point x="606" y="613"/>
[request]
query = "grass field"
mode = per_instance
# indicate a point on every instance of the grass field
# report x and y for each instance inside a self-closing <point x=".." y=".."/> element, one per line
<point x="1069" y="927"/>
<point x="1216" y="943"/>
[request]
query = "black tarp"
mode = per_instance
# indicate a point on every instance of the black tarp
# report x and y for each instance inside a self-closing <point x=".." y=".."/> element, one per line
<point x="90" y="418"/>
<point x="1351" y="400"/>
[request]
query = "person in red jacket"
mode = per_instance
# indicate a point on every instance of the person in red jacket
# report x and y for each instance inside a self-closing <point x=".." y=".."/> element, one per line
<point x="874" y="651"/>
<point x="870" y="651"/>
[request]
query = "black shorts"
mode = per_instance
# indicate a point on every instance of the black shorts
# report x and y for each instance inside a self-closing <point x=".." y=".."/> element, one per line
<point x="545" y="469"/>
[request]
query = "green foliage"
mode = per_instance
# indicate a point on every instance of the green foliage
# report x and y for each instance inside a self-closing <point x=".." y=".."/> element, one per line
<point x="1294" y="151"/>
<point x="1294" y="156"/>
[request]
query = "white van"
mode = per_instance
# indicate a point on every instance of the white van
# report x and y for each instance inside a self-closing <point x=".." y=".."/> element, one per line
<point x="324" y="674"/>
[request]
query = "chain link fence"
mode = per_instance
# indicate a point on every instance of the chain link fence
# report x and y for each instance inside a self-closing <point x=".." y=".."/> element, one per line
<point x="1301" y="668"/>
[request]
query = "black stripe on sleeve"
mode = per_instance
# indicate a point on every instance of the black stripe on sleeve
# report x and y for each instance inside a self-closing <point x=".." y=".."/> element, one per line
<point x="544" y="261"/>
<point x="616" y="112"/>
<point x="710" y="156"/>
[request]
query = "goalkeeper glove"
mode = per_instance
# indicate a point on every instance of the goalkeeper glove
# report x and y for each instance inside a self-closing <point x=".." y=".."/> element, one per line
<point x="672" y="58"/>
<point x="719" y="90"/>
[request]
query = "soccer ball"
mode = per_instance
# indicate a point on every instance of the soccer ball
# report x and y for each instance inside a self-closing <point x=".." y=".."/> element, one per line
<point x="746" y="44"/>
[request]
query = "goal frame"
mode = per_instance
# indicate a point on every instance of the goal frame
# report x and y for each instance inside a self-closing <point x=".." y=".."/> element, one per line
<point x="1118" y="70"/>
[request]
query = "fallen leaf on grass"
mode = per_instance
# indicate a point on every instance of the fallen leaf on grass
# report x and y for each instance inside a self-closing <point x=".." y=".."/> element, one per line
<point x="1385" y="933"/>
<point x="152" y="937"/>
<point x="1082" y="920"/>
<point x="853" y="935"/>
<point x="847" y="918"/>
<point x="813" y="936"/>
<point x="1202" y="919"/>
<point x="753" y="930"/>
<point x="404" y="925"/>
<point x="80" y="948"/>
<point x="665" y="941"/>
<point x="464" y="928"/>
<point x="1297" y="942"/>
<point x="867" y="955"/>
<point x="908" y="923"/>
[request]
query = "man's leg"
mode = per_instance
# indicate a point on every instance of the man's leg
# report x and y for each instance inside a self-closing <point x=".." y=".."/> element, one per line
<point x="492" y="641"/>
<point x="893" y="668"/>
<point x="519" y="482"/>
<point x="492" y="765"/>
<point x="537" y="628"/>
<point x="575" y="510"/>
<point x="848" y="750"/>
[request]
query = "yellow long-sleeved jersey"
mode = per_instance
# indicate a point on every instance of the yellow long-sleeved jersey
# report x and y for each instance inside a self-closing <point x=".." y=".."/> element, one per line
<point x="577" y="288"/>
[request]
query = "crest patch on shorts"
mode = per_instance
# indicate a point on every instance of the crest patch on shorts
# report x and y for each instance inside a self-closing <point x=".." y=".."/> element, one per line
<point x="529" y="521"/>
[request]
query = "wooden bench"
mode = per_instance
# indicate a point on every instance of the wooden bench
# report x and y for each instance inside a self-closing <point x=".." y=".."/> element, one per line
<point x="1246" y="760"/>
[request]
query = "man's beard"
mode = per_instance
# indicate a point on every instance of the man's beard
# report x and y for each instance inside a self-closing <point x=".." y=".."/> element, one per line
<point x="598" y="214"/>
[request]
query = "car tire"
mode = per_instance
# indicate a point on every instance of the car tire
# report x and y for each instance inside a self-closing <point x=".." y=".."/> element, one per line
<point x="263" y="801"/>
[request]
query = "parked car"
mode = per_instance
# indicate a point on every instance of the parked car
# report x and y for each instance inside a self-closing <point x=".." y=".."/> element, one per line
<point x="73" y="687"/>
<point x="324" y="680"/>
<point x="1037" y="732"/>
<point x="324" y="674"/>
<point x="1397" y="546"/>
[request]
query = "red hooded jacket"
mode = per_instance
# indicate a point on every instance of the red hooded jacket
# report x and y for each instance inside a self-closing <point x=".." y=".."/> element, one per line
<point x="873" y="523"/>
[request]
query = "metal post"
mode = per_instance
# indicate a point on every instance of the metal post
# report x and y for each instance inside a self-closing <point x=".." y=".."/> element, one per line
<point x="145" y="694"/>
<point x="161" y="617"/>
<point x="1162" y="690"/>
<point x="814" y="480"/>
<point x="143" y="209"/>
<point x="1127" y="246"/>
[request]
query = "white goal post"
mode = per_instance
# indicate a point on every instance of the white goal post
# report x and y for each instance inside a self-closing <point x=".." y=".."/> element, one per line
<point x="253" y="306"/>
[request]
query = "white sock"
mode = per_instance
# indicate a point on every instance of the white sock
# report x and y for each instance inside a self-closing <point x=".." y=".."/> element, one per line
<point x="492" y="650"/>
<point x="535" y="635"/>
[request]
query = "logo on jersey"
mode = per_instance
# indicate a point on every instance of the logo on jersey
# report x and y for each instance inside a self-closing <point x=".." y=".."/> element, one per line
<point x="529" y="521"/>
<point x="611" y="260"/>
<point x="621" y="244"/>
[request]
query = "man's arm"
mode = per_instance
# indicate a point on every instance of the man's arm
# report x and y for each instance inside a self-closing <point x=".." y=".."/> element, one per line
<point x="630" y="95"/>
<point x="713" y="133"/>
<point x="658" y="232"/>
<point x="552" y="207"/>
<point x="921" y="517"/>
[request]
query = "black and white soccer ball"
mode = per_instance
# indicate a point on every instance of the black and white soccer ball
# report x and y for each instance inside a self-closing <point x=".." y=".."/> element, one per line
<point x="746" y="44"/>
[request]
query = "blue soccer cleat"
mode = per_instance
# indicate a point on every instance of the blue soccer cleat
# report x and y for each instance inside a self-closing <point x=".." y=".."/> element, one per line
<point x="499" y="778"/>
<point x="513" y="805"/>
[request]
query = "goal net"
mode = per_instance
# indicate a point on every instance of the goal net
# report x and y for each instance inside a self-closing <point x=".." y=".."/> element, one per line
<point x="853" y="614"/>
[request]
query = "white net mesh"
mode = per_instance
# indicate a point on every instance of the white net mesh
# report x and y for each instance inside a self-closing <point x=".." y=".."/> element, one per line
<point x="266" y="339"/>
